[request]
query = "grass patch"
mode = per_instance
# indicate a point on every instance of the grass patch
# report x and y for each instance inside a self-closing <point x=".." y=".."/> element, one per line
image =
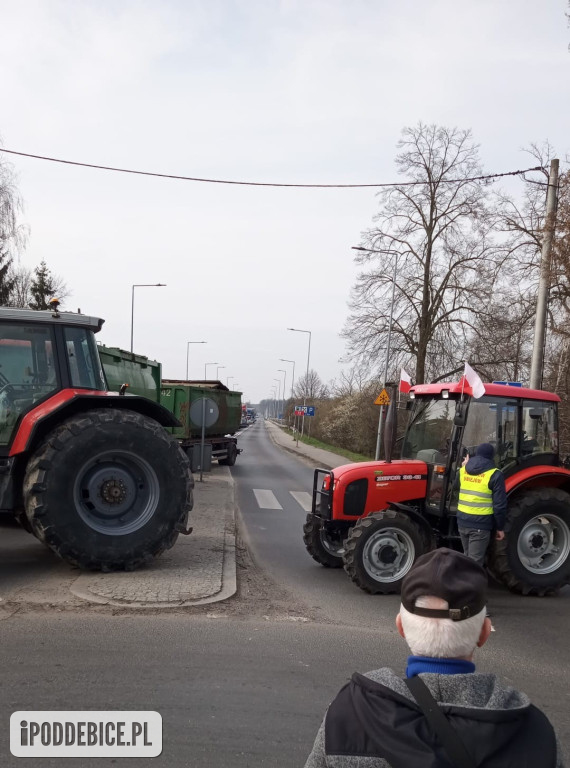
<point x="332" y="448"/>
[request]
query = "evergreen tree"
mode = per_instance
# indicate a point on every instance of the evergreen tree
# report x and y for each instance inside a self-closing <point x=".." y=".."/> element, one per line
<point x="6" y="278"/>
<point x="43" y="287"/>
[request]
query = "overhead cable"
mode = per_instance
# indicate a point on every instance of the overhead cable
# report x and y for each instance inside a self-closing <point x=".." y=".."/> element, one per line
<point x="487" y="177"/>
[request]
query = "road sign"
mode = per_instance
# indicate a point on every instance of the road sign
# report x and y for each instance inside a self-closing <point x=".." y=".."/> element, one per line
<point x="304" y="410"/>
<point x="383" y="398"/>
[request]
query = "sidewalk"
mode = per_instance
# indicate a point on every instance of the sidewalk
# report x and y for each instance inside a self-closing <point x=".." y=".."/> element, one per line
<point x="199" y="569"/>
<point x="318" y="456"/>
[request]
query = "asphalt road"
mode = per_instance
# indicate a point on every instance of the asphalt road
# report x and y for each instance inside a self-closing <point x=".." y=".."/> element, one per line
<point x="246" y="682"/>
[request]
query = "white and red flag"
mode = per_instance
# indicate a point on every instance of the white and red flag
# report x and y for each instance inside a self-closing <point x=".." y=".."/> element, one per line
<point x="474" y="380"/>
<point x="405" y="381"/>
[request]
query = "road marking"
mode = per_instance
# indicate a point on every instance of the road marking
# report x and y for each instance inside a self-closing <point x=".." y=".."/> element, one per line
<point x="266" y="499"/>
<point x="303" y="499"/>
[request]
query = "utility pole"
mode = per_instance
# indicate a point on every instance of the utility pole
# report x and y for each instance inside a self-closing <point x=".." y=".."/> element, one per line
<point x="537" y="364"/>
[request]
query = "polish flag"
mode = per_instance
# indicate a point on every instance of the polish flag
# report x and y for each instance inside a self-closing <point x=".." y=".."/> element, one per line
<point x="405" y="381"/>
<point x="474" y="380"/>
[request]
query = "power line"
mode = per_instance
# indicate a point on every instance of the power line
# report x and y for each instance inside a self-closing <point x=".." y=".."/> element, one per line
<point x="487" y="177"/>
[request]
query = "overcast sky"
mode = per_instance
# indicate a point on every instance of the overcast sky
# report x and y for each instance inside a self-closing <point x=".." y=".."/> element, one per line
<point x="264" y="90"/>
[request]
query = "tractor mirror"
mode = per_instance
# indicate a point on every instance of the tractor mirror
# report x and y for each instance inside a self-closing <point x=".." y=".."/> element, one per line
<point x="460" y="414"/>
<point x="535" y="413"/>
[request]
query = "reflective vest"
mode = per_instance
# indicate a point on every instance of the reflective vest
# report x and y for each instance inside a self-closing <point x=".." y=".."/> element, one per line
<point x="475" y="496"/>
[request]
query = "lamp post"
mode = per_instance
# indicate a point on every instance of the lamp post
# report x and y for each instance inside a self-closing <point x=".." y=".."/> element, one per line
<point x="300" y="330"/>
<point x="278" y="394"/>
<point x="284" y="360"/>
<point x="202" y="441"/>
<point x="228" y="380"/>
<point x="139" y="285"/>
<point x="284" y="372"/>
<point x="388" y="342"/>
<point x="217" y="369"/>
<point x="188" y="353"/>
<point x="274" y="395"/>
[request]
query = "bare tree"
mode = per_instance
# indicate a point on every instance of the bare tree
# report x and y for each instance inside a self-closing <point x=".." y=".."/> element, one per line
<point x="310" y="387"/>
<point x="13" y="234"/>
<point x="20" y="295"/>
<point x="439" y="231"/>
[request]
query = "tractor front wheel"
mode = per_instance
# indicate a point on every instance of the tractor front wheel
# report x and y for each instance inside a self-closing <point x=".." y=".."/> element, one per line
<point x="381" y="549"/>
<point x="108" y="490"/>
<point x="534" y="556"/>
<point x="324" y="545"/>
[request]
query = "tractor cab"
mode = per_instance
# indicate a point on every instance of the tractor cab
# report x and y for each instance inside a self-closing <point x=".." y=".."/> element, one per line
<point x="42" y="353"/>
<point x="445" y="425"/>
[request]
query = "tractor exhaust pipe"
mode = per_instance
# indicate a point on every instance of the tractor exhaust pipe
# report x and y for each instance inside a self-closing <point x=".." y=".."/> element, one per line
<point x="391" y="425"/>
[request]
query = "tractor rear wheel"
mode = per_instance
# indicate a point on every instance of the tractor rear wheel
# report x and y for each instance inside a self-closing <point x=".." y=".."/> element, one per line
<point x="108" y="490"/>
<point x="381" y="548"/>
<point x="324" y="546"/>
<point x="534" y="556"/>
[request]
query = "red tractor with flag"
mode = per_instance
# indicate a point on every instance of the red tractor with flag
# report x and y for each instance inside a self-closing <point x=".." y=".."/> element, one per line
<point x="377" y="517"/>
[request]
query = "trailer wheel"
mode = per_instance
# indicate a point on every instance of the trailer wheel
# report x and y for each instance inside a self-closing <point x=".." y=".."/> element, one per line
<point x="108" y="490"/>
<point x="534" y="556"/>
<point x="230" y="459"/>
<point x="326" y="547"/>
<point x="381" y="548"/>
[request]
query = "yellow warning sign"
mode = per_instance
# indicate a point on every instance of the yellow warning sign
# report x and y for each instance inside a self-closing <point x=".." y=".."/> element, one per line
<point x="383" y="398"/>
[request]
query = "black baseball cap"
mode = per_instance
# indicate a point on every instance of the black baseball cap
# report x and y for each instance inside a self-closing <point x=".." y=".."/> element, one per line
<point x="451" y="576"/>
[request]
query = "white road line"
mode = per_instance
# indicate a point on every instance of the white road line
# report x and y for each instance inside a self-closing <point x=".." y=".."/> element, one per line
<point x="303" y="499"/>
<point x="266" y="499"/>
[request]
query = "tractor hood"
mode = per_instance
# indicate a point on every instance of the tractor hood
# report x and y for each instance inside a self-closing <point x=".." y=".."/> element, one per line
<point x="370" y="486"/>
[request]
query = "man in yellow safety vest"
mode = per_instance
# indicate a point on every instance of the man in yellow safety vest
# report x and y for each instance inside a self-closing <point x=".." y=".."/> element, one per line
<point x="482" y="505"/>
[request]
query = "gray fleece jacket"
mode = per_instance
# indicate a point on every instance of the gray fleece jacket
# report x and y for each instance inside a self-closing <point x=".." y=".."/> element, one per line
<point x="354" y="732"/>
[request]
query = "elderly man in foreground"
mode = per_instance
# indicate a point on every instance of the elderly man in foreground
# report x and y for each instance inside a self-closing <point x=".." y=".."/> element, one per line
<point x="444" y="714"/>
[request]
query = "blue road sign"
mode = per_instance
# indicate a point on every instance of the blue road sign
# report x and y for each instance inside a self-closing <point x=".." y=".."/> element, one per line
<point x="307" y="410"/>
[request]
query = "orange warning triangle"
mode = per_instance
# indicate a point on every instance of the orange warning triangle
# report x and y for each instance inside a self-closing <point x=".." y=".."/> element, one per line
<point x="383" y="398"/>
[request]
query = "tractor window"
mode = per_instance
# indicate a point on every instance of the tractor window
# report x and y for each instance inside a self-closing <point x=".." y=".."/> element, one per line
<point x="27" y="372"/>
<point x="493" y="420"/>
<point x="83" y="358"/>
<point x="540" y="430"/>
<point x="429" y="430"/>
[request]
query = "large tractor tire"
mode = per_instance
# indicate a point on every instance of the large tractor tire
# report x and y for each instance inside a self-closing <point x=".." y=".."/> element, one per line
<point x="534" y="556"/>
<point x="325" y="547"/>
<point x="108" y="490"/>
<point x="381" y="548"/>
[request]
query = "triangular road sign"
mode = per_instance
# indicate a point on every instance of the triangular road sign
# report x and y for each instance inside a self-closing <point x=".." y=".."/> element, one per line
<point x="383" y="398"/>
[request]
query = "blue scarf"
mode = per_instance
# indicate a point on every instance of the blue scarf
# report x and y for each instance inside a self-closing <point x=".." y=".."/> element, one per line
<point x="418" y="664"/>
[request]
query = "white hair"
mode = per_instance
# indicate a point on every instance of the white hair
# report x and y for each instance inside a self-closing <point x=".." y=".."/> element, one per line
<point x="441" y="638"/>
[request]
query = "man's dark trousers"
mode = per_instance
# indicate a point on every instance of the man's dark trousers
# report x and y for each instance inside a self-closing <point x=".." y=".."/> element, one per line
<point x="475" y="543"/>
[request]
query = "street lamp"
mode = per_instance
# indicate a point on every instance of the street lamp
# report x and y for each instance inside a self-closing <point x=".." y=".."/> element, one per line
<point x="278" y="395"/>
<point x="281" y="370"/>
<point x="228" y="380"/>
<point x="300" y="330"/>
<point x="140" y="285"/>
<point x="217" y="369"/>
<point x="205" y="366"/>
<point x="388" y="342"/>
<point x="284" y="360"/>
<point x="274" y="394"/>
<point x="188" y="353"/>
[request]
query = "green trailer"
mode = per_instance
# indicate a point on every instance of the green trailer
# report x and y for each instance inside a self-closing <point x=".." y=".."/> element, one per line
<point x="185" y="399"/>
<point x="210" y="401"/>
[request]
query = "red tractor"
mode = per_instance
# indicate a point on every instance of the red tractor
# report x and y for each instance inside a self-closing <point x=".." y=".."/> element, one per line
<point x="92" y="473"/>
<point x="377" y="517"/>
